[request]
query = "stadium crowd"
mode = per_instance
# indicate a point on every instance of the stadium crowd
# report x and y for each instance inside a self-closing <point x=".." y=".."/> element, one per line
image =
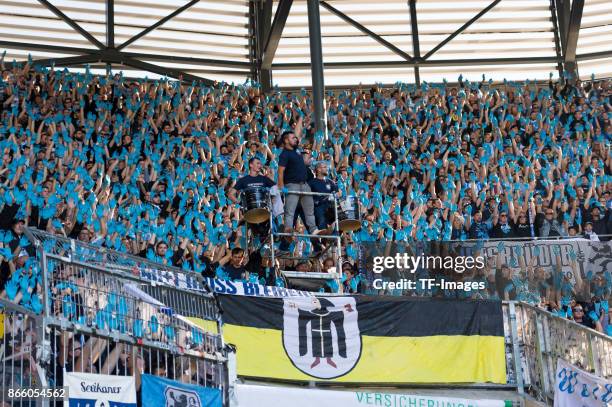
<point x="149" y="167"/>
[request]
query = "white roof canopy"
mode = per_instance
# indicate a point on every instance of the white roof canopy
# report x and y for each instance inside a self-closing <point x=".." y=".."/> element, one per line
<point x="362" y="41"/>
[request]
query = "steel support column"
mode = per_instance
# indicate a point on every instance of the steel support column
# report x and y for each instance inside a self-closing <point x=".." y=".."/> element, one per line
<point x="253" y="40"/>
<point x="264" y="22"/>
<point x="275" y="32"/>
<point x="563" y="12"/>
<point x="416" y="48"/>
<point x="569" y="54"/>
<point x="316" y="65"/>
<point x="110" y="23"/>
<point x="557" y="36"/>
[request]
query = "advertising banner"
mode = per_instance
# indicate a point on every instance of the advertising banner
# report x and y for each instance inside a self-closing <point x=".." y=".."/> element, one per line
<point x="160" y="392"/>
<point x="358" y="339"/>
<point x="575" y="387"/>
<point x="248" y="395"/>
<point x="87" y="389"/>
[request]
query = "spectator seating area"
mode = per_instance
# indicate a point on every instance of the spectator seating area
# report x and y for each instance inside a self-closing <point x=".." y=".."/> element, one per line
<point x="146" y="167"/>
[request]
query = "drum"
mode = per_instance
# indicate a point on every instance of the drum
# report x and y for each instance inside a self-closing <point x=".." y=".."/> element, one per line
<point x="349" y="218"/>
<point x="255" y="204"/>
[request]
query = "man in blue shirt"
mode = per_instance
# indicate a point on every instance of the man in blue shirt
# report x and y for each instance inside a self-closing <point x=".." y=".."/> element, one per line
<point x="324" y="185"/>
<point x="253" y="179"/>
<point x="293" y="175"/>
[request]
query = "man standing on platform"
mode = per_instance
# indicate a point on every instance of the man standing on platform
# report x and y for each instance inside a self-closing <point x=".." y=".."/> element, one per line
<point x="293" y="175"/>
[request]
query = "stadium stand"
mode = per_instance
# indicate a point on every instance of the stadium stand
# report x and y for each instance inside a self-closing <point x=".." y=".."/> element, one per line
<point x="149" y="171"/>
<point x="190" y="241"/>
<point x="150" y="168"/>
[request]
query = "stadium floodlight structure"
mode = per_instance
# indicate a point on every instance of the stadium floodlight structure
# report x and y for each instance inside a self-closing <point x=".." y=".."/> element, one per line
<point x="314" y="43"/>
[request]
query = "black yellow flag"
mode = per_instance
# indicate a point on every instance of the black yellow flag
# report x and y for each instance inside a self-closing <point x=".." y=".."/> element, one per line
<point x="366" y="339"/>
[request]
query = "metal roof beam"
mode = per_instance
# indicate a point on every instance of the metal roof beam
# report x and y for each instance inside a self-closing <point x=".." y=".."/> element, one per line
<point x="123" y="59"/>
<point x="157" y="24"/>
<point x="72" y="23"/>
<point x="151" y="57"/>
<point x="405" y="64"/>
<point x="280" y="19"/>
<point x="45" y="48"/>
<point x="187" y="60"/>
<point x="366" y="31"/>
<point x="68" y="61"/>
<point x="594" y="55"/>
<point x="462" y="28"/>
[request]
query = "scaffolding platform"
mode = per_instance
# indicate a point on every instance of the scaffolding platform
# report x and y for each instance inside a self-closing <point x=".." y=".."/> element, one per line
<point x="330" y="235"/>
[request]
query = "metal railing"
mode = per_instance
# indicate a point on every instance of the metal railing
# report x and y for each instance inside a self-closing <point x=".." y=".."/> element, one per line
<point x="89" y="298"/>
<point x="123" y="263"/>
<point x="88" y="309"/>
<point x="545" y="338"/>
<point x="21" y="350"/>
<point x="337" y="276"/>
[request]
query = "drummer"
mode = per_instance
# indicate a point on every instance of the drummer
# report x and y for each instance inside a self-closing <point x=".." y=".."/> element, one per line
<point x="321" y="183"/>
<point x="254" y="178"/>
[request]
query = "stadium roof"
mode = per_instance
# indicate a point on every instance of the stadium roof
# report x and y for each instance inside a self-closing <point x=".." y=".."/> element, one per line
<point x="362" y="40"/>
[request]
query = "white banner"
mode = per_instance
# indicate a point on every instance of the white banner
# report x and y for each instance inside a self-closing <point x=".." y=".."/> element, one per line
<point x="253" y="289"/>
<point x="571" y="252"/>
<point x="189" y="282"/>
<point x="248" y="395"/>
<point x="86" y="389"/>
<point x="575" y="387"/>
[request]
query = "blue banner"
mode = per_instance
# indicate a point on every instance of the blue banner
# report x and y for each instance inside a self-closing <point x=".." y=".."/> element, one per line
<point x="160" y="392"/>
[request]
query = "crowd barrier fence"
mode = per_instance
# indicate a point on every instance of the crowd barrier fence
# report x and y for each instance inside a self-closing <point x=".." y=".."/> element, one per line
<point x="109" y="313"/>
<point x="544" y="338"/>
